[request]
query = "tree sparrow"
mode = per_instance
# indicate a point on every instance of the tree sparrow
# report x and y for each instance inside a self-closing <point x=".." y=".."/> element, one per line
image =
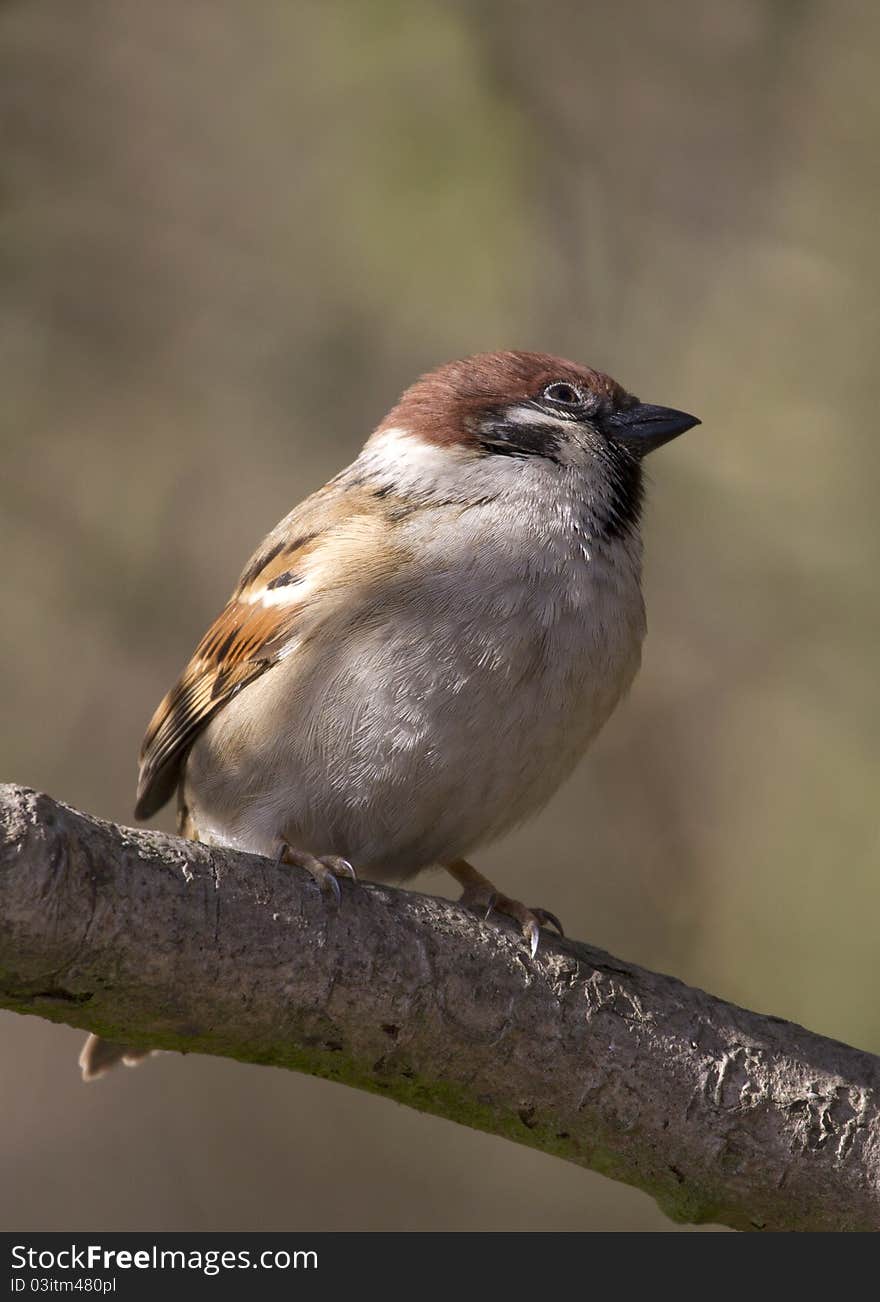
<point x="418" y="655"/>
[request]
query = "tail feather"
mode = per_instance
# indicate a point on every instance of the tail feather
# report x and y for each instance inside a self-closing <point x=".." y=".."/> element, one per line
<point x="100" y="1056"/>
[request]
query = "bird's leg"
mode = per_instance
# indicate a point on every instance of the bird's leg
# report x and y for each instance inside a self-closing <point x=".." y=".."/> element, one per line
<point x="479" y="893"/>
<point x="325" y="868"/>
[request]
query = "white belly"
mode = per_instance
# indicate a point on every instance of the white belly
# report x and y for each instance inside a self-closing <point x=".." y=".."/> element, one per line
<point x="407" y="740"/>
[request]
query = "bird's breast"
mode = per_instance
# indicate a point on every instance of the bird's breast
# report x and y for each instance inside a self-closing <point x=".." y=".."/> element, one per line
<point x="433" y="719"/>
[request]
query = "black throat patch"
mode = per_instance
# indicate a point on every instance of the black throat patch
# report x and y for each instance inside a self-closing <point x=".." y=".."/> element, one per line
<point x="619" y="509"/>
<point x="614" y="511"/>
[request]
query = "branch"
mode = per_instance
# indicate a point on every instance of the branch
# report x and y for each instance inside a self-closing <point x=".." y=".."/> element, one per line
<point x="722" y="1115"/>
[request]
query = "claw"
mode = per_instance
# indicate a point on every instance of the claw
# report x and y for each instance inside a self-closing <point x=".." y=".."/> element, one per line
<point x="546" y="918"/>
<point x="330" y="885"/>
<point x="339" y="867"/>
<point x="479" y="893"/>
<point x="325" y="871"/>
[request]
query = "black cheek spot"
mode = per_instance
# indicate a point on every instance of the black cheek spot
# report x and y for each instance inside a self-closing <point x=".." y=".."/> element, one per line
<point x="509" y="440"/>
<point x="540" y="442"/>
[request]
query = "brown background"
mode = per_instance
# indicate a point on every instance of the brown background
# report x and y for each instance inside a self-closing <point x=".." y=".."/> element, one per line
<point x="230" y="234"/>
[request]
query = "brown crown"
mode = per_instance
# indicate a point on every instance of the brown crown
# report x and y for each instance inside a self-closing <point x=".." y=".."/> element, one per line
<point x="444" y="405"/>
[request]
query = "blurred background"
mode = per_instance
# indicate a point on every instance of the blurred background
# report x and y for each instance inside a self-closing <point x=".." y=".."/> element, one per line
<point x="231" y="234"/>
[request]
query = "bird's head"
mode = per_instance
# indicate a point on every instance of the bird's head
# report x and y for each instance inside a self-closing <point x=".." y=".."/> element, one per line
<point x="524" y="421"/>
<point x="531" y="405"/>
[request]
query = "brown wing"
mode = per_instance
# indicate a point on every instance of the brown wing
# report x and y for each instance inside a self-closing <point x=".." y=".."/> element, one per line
<point x="243" y="642"/>
<point x="338" y="529"/>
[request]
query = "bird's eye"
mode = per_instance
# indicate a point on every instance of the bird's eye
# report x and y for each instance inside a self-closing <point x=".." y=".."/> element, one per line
<point x="564" y="394"/>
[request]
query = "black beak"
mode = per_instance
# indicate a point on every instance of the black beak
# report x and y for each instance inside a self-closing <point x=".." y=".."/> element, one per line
<point x="644" y="427"/>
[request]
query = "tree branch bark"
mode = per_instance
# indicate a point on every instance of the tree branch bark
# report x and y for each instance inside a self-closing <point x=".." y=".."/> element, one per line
<point x="721" y="1114"/>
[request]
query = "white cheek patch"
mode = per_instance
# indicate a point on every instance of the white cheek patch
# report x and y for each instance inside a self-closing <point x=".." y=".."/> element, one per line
<point x="396" y="450"/>
<point x="452" y="472"/>
<point x="414" y="466"/>
<point x="531" y="416"/>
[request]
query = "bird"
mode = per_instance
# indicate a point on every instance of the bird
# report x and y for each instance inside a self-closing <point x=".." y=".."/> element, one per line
<point x="417" y="655"/>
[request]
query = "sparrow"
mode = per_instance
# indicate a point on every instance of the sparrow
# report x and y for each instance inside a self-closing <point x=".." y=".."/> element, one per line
<point x="418" y="655"/>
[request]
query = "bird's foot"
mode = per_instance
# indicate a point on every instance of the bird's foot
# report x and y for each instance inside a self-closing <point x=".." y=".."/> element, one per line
<point x="326" y="869"/>
<point x="480" y="894"/>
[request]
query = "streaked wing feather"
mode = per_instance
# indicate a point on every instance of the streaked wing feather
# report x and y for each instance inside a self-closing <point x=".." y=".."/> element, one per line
<point x="255" y="628"/>
<point x="242" y="643"/>
<point x="188" y="707"/>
